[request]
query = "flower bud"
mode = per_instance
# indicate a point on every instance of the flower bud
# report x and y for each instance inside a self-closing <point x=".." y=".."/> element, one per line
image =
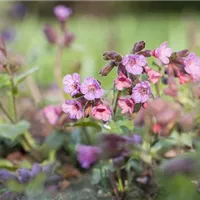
<point x="138" y="46"/>
<point x="107" y="69"/>
<point x="112" y="55"/>
<point x="50" y="34"/>
<point x="146" y="53"/>
<point x="182" y="53"/>
<point x="68" y="39"/>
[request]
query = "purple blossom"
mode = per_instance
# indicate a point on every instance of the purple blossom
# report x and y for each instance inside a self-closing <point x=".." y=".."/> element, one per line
<point x="163" y="53"/>
<point x="73" y="108"/>
<point x="141" y="92"/>
<point x="192" y="65"/>
<point x="72" y="84"/>
<point x="25" y="175"/>
<point x="87" y="155"/>
<point x="8" y="34"/>
<point x="62" y="12"/>
<point x="18" y="10"/>
<point x="91" y="89"/>
<point x="134" y="63"/>
<point x="6" y="175"/>
<point x="36" y="169"/>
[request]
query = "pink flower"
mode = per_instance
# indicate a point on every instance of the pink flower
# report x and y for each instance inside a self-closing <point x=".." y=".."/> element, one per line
<point x="163" y="53"/>
<point x="141" y="92"/>
<point x="184" y="78"/>
<point x="153" y="76"/>
<point x="87" y="155"/>
<point x="72" y="84"/>
<point x="52" y="113"/>
<point x="134" y="63"/>
<point x="91" y="89"/>
<point x="62" y="12"/>
<point x="192" y="65"/>
<point x="122" y="82"/>
<point x="126" y="104"/>
<point x="73" y="108"/>
<point x="102" y="112"/>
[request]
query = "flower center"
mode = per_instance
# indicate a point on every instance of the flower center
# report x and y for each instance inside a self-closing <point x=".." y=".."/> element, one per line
<point x="132" y="61"/>
<point x="143" y="90"/>
<point x="92" y="88"/>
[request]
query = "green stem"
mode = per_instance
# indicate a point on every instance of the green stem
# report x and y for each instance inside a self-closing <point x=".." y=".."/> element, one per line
<point x="9" y="72"/>
<point x="120" y="184"/>
<point x="116" y="101"/>
<point x="6" y="113"/>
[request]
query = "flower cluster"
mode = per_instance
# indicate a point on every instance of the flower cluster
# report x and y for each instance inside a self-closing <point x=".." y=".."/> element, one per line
<point x="24" y="175"/>
<point x="62" y="13"/>
<point x="111" y="146"/>
<point x="87" y="98"/>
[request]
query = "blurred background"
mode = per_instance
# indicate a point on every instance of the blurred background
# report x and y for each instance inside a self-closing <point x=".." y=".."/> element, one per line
<point x="98" y="27"/>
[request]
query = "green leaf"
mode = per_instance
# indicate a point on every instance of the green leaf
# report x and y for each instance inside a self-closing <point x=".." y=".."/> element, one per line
<point x="6" y="164"/>
<point x="186" y="139"/>
<point x="14" y="186"/>
<point x="36" y="186"/>
<point x="55" y="140"/>
<point x="24" y="75"/>
<point x="87" y="124"/>
<point x="12" y="131"/>
<point x="96" y="176"/>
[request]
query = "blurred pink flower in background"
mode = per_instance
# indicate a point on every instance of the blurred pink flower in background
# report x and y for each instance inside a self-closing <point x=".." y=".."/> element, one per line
<point x="87" y="155"/>
<point x="62" y="12"/>
<point x="52" y="113"/>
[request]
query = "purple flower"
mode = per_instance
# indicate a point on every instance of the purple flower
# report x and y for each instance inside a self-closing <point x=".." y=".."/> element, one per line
<point x="8" y="34"/>
<point x="25" y="175"/>
<point x="6" y="175"/>
<point x="52" y="113"/>
<point x="18" y="10"/>
<point x="192" y="65"/>
<point x="87" y="155"/>
<point x="141" y="92"/>
<point x="36" y="169"/>
<point x="73" y="108"/>
<point x="91" y="89"/>
<point x="62" y="12"/>
<point x="134" y="139"/>
<point x="163" y="53"/>
<point x="134" y="63"/>
<point x="72" y="84"/>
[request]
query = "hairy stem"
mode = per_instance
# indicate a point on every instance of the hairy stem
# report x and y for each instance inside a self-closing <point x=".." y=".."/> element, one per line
<point x="116" y="102"/>
<point x="6" y="113"/>
<point x="58" y="71"/>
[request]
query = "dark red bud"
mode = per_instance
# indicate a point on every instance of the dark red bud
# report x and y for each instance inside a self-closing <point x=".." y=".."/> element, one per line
<point x="50" y="34"/>
<point x="107" y="69"/>
<point x="138" y="46"/>
<point x="146" y="53"/>
<point x="3" y="52"/>
<point x="112" y="55"/>
<point x="182" y="53"/>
